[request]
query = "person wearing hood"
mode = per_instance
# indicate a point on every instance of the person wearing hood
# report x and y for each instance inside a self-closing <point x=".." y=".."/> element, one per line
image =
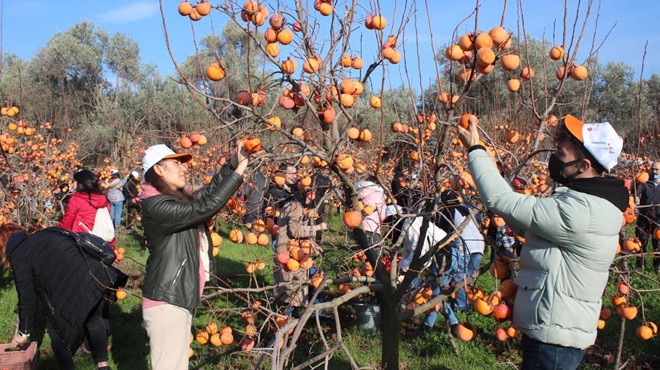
<point x="571" y="239"/>
<point x="295" y="227"/>
<point x="80" y="213"/>
<point x="176" y="231"/>
<point x="374" y="199"/>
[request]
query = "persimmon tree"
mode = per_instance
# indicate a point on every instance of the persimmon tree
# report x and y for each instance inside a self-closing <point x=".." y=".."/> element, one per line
<point x="305" y="95"/>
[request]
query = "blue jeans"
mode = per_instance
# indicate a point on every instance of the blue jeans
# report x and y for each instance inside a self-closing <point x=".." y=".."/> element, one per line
<point x="543" y="356"/>
<point x="116" y="209"/>
<point x="464" y="266"/>
<point x="445" y="310"/>
<point x="445" y="307"/>
<point x="461" y="265"/>
<point x="474" y="263"/>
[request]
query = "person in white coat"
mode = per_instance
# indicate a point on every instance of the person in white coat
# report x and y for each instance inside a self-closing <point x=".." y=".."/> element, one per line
<point x="571" y="239"/>
<point x="467" y="251"/>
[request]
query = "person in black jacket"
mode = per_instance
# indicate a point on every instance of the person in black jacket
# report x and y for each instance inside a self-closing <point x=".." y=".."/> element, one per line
<point x="649" y="214"/>
<point x="278" y="195"/>
<point x="49" y="267"/>
<point x="180" y="258"/>
<point x="254" y="197"/>
<point x="131" y="192"/>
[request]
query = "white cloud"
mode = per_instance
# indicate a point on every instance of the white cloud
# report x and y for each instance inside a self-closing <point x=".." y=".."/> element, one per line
<point x="130" y="13"/>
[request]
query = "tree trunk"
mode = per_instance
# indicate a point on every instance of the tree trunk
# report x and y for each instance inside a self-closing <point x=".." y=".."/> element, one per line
<point x="390" y="327"/>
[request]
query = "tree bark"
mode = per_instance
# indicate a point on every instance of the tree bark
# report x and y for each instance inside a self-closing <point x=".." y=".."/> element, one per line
<point x="390" y="327"/>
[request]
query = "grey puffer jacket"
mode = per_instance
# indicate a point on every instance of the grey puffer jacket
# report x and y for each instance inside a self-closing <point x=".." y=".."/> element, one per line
<point x="171" y="230"/>
<point x="571" y="240"/>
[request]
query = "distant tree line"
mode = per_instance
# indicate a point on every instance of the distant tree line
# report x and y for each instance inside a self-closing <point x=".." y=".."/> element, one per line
<point x="94" y="90"/>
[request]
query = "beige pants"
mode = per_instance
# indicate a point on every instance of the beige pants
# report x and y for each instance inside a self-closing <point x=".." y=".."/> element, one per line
<point x="168" y="327"/>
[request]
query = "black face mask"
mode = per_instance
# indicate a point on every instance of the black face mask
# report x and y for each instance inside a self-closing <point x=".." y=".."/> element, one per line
<point x="556" y="168"/>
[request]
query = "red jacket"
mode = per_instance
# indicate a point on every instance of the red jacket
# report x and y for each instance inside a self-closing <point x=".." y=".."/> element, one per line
<point x="82" y="208"/>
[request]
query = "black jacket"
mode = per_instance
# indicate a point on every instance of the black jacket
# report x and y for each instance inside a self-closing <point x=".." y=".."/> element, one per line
<point x="49" y="267"/>
<point x="130" y="191"/>
<point x="171" y="232"/>
<point x="648" y="193"/>
<point x="254" y="197"/>
<point x="277" y="196"/>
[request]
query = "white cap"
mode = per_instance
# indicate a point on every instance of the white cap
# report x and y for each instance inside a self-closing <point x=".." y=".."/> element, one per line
<point x="114" y="171"/>
<point x="156" y="153"/>
<point x="135" y="174"/>
<point x="599" y="139"/>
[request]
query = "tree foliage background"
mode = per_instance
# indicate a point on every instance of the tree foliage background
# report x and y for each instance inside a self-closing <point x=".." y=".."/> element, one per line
<point x="94" y="90"/>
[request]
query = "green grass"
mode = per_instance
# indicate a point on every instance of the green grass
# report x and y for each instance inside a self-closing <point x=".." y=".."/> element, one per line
<point x="130" y="349"/>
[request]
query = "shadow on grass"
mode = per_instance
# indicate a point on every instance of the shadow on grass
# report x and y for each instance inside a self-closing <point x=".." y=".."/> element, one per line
<point x="130" y="348"/>
<point x="231" y="271"/>
<point x="6" y="280"/>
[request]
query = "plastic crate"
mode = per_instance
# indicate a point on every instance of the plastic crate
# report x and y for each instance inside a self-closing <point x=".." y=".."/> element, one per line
<point x="23" y="358"/>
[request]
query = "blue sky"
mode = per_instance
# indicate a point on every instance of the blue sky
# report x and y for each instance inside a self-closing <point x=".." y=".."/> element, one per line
<point x="27" y="25"/>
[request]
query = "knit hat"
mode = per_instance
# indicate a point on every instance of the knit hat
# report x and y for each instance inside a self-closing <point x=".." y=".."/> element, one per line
<point x="599" y="139"/>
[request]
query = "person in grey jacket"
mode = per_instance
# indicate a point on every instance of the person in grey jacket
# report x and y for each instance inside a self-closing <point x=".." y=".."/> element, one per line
<point x="571" y="239"/>
<point x="116" y="197"/>
<point x="180" y="260"/>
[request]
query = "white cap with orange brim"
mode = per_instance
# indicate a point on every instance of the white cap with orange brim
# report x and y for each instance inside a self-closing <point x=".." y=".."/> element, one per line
<point x="599" y="139"/>
<point x="157" y="153"/>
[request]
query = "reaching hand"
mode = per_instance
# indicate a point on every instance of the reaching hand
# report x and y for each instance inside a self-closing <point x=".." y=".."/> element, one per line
<point x="239" y="160"/>
<point x="470" y="136"/>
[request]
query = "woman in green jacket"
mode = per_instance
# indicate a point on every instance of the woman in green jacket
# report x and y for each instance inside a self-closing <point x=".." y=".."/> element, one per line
<point x="180" y="261"/>
<point x="571" y="239"/>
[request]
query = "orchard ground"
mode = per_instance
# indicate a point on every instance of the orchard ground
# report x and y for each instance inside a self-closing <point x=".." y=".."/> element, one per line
<point x="130" y="345"/>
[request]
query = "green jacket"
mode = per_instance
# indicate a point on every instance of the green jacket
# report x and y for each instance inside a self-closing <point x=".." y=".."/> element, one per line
<point x="172" y="236"/>
<point x="571" y="240"/>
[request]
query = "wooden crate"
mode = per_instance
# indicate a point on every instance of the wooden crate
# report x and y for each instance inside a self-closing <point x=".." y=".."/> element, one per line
<point x="23" y="358"/>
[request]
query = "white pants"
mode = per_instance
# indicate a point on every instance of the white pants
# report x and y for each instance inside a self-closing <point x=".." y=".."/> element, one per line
<point x="168" y="327"/>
